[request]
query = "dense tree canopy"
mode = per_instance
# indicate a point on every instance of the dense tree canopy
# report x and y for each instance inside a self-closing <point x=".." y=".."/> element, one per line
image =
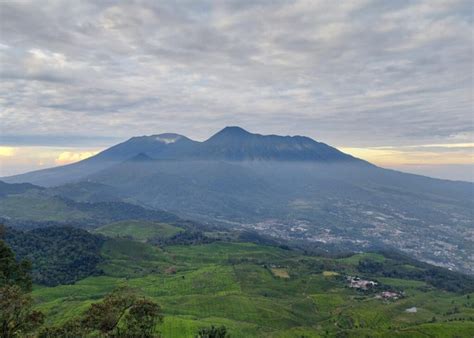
<point x="59" y="255"/>
<point x="12" y="272"/>
<point x="400" y="266"/>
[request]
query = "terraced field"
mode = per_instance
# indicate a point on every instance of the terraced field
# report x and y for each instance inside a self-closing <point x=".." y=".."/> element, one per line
<point x="232" y="284"/>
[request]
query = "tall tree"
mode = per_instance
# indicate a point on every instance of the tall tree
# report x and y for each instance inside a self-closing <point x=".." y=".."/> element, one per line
<point x="16" y="315"/>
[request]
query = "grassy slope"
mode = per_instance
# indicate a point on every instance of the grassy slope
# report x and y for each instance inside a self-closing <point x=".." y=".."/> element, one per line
<point x="36" y="208"/>
<point x="232" y="284"/>
<point x="139" y="230"/>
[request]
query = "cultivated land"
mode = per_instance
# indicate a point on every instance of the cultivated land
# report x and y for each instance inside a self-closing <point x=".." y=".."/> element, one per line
<point x="139" y="230"/>
<point x="258" y="290"/>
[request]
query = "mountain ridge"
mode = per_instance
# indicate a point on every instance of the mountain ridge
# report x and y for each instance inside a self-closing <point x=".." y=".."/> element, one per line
<point x="229" y="144"/>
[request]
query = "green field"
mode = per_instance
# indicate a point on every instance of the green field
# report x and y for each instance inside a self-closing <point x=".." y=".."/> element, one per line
<point x="138" y="230"/>
<point x="232" y="284"/>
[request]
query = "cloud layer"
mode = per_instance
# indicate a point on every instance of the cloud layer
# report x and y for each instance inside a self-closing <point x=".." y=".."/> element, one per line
<point x="355" y="74"/>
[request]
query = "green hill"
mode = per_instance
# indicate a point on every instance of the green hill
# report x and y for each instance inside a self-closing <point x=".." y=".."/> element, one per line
<point x="36" y="207"/>
<point x="59" y="255"/>
<point x="139" y="230"/>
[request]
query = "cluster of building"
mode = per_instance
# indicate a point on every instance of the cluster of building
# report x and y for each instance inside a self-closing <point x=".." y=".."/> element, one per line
<point x="358" y="283"/>
<point x="365" y="284"/>
<point x="386" y="295"/>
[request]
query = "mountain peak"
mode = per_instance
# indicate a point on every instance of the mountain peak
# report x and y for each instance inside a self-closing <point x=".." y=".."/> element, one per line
<point x="234" y="131"/>
<point x="230" y="133"/>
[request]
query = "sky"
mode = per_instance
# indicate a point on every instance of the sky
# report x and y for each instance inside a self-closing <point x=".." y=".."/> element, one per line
<point x="388" y="81"/>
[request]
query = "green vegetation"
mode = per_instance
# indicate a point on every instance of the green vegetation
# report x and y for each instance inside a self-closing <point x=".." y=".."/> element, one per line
<point x="139" y="230"/>
<point x="235" y="289"/>
<point x="120" y="314"/>
<point x="59" y="255"/>
<point x="201" y="288"/>
<point x="37" y="206"/>
<point x="213" y="332"/>
<point x="17" y="318"/>
<point x="11" y="271"/>
<point x="403" y="267"/>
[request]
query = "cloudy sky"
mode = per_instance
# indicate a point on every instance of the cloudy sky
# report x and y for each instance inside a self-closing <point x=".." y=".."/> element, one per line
<point x="389" y="81"/>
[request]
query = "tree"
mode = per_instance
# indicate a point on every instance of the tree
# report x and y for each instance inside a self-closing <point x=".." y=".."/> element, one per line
<point x="121" y="313"/>
<point x="16" y="315"/>
<point x="12" y="272"/>
<point x="70" y="329"/>
<point x="59" y="254"/>
<point x="106" y="315"/>
<point x="212" y="332"/>
<point x="141" y="319"/>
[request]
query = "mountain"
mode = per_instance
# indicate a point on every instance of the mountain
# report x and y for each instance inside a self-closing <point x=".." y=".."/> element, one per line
<point x="154" y="146"/>
<point x="237" y="144"/>
<point x="292" y="188"/>
<point x="230" y="144"/>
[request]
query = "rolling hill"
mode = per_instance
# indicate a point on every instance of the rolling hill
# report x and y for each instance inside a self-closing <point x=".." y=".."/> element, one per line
<point x="30" y="206"/>
<point x="138" y="230"/>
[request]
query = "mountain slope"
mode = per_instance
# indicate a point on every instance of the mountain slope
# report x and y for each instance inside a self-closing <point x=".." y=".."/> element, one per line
<point x="18" y="188"/>
<point x="147" y="145"/>
<point x="36" y="207"/>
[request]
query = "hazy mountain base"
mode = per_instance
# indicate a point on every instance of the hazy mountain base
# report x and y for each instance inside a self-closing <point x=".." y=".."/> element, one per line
<point x="257" y="290"/>
<point x="360" y="208"/>
<point x="330" y="203"/>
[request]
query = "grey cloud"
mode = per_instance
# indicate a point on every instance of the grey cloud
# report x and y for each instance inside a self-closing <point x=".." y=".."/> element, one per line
<point x="69" y="140"/>
<point x="356" y="74"/>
